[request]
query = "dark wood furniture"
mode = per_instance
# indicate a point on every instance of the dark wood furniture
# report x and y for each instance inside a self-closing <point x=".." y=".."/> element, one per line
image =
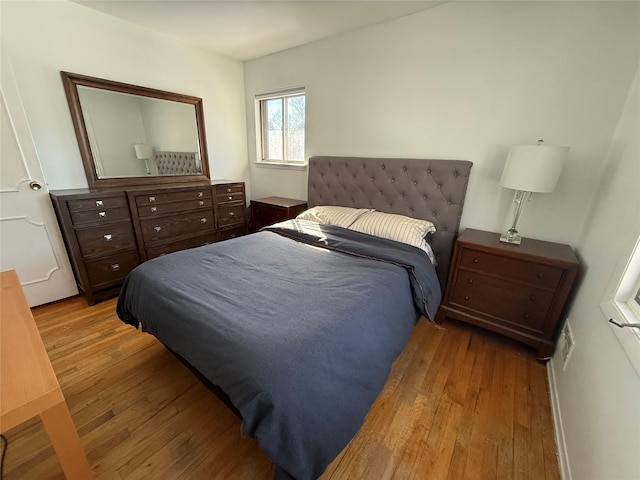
<point x="269" y="210"/>
<point x="517" y="290"/>
<point x="108" y="233"/>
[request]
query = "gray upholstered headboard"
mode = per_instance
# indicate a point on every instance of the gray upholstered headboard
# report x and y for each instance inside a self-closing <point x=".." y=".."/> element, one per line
<point x="178" y="163"/>
<point x="432" y="190"/>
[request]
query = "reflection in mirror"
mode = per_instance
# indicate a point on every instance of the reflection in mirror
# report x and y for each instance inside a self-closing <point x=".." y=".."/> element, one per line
<point x="127" y="131"/>
<point x="130" y="135"/>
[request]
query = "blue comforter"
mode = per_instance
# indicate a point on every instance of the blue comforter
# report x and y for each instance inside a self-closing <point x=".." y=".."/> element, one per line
<point x="298" y="324"/>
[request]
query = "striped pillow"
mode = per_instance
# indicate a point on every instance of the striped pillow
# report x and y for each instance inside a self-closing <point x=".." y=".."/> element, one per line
<point x="396" y="227"/>
<point x="332" y="215"/>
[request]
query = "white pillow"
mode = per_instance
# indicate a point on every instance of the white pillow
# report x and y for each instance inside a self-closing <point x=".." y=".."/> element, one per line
<point x="332" y="215"/>
<point x="396" y="227"/>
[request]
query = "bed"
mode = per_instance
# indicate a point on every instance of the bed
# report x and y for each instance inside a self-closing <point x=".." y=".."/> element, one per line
<point x="178" y="163"/>
<point x="305" y="319"/>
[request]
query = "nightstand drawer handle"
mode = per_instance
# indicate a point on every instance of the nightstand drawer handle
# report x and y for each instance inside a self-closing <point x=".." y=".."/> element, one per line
<point x="108" y="237"/>
<point x="466" y="297"/>
<point x="532" y="297"/>
<point x="115" y="267"/>
<point x="475" y="260"/>
<point x="526" y="316"/>
<point x="540" y="275"/>
<point x="470" y="280"/>
<point x="102" y="214"/>
<point x="99" y="203"/>
<point x="157" y="229"/>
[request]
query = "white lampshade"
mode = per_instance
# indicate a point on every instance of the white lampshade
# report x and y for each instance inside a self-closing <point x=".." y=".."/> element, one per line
<point x="143" y="151"/>
<point x="533" y="168"/>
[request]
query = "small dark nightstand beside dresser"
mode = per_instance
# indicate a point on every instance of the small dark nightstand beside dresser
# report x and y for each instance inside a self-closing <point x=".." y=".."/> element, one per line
<point x="269" y="210"/>
<point x="517" y="290"/>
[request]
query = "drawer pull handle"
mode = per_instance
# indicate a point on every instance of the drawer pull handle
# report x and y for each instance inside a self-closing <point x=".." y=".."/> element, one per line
<point x="540" y="275"/>
<point x="466" y="297"/>
<point x="154" y="209"/>
<point x="152" y="199"/>
<point x="203" y="220"/>
<point x="115" y="267"/>
<point x="470" y="280"/>
<point x="532" y="297"/>
<point x="200" y="194"/>
<point x="108" y="237"/>
<point x="526" y="316"/>
<point x="228" y="190"/>
<point x="99" y="203"/>
<point x="231" y="214"/>
<point x="102" y="214"/>
<point x="157" y="229"/>
<point x="475" y="260"/>
<point x="205" y="243"/>
<point x="233" y="235"/>
<point x="230" y="197"/>
<point x="201" y="203"/>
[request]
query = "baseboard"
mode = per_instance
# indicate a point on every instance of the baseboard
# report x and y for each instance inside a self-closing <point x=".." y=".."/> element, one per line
<point x="561" y="446"/>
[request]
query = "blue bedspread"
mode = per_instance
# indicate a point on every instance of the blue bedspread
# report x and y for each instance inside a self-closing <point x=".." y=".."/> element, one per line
<point x="298" y="333"/>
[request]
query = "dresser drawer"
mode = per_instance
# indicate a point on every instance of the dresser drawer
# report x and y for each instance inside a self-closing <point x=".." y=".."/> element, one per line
<point x="167" y="197"/>
<point x="198" y="241"/>
<point x="229" y="188"/>
<point x="230" y="198"/>
<point x="230" y="233"/>
<point x="231" y="215"/>
<point x="97" y="203"/>
<point x="110" y="270"/>
<point x="505" y="301"/>
<point x="103" y="215"/>
<point x="163" y="228"/>
<point x="106" y="239"/>
<point x="151" y="210"/>
<point x="511" y="268"/>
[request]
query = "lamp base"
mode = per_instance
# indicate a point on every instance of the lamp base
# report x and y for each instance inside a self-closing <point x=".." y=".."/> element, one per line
<point x="511" y="236"/>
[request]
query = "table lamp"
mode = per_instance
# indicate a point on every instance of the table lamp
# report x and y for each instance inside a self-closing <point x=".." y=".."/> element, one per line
<point x="144" y="152"/>
<point x="530" y="169"/>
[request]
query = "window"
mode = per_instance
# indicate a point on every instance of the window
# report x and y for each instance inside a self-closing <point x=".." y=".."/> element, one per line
<point x="281" y="127"/>
<point x="622" y="303"/>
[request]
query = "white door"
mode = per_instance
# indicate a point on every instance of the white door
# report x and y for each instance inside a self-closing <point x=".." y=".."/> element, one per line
<point x="30" y="240"/>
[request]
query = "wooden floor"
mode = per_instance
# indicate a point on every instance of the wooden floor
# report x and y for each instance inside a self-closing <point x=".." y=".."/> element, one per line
<point x="459" y="404"/>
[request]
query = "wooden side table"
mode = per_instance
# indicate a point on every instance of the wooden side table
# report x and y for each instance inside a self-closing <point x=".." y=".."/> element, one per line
<point x="517" y="290"/>
<point x="29" y="384"/>
<point x="269" y="210"/>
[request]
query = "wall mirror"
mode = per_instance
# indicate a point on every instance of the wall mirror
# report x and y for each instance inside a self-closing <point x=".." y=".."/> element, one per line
<point x="130" y="135"/>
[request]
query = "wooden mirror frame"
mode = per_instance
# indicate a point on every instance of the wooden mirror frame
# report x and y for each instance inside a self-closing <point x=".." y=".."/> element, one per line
<point x="72" y="80"/>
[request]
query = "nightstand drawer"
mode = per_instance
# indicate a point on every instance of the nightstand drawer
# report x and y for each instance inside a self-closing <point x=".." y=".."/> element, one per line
<point x="505" y="301"/>
<point x="511" y="268"/>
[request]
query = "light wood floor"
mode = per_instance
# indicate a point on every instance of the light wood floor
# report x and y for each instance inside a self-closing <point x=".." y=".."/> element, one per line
<point x="459" y="404"/>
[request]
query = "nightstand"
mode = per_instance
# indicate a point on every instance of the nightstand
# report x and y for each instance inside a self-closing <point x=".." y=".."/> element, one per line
<point x="516" y="290"/>
<point x="269" y="210"/>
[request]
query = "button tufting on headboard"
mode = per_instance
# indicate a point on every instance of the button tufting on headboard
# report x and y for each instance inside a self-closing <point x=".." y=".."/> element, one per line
<point x="433" y="190"/>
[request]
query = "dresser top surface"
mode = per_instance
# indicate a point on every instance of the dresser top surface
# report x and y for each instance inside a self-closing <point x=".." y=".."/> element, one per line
<point x="535" y="249"/>
<point x="139" y="188"/>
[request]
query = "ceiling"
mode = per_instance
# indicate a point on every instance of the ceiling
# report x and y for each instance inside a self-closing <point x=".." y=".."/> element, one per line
<point x="249" y="29"/>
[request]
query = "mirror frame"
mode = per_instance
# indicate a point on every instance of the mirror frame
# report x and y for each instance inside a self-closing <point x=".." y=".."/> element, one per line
<point x="72" y="80"/>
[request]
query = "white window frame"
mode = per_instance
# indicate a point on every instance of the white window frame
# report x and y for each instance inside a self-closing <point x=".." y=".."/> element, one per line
<point x="620" y="304"/>
<point x="260" y="122"/>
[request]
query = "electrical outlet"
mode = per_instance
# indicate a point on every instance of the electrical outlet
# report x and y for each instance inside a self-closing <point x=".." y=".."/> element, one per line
<point x="566" y="343"/>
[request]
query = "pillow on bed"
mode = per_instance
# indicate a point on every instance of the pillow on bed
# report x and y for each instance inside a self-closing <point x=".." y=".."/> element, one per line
<point x="332" y="215"/>
<point x="412" y="231"/>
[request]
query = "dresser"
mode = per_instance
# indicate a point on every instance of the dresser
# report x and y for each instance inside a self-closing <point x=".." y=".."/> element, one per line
<point x="108" y="233"/>
<point x="270" y="210"/>
<point x="516" y="290"/>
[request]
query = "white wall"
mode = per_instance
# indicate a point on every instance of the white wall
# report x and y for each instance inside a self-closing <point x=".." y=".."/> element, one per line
<point x="599" y="391"/>
<point x="465" y="80"/>
<point x="43" y="38"/>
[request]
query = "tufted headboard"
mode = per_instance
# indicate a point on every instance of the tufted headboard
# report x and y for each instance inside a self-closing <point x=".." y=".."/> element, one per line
<point x="432" y="190"/>
<point x="178" y="163"/>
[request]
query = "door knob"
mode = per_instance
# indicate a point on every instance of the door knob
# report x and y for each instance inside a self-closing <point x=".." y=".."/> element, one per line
<point x="35" y="185"/>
